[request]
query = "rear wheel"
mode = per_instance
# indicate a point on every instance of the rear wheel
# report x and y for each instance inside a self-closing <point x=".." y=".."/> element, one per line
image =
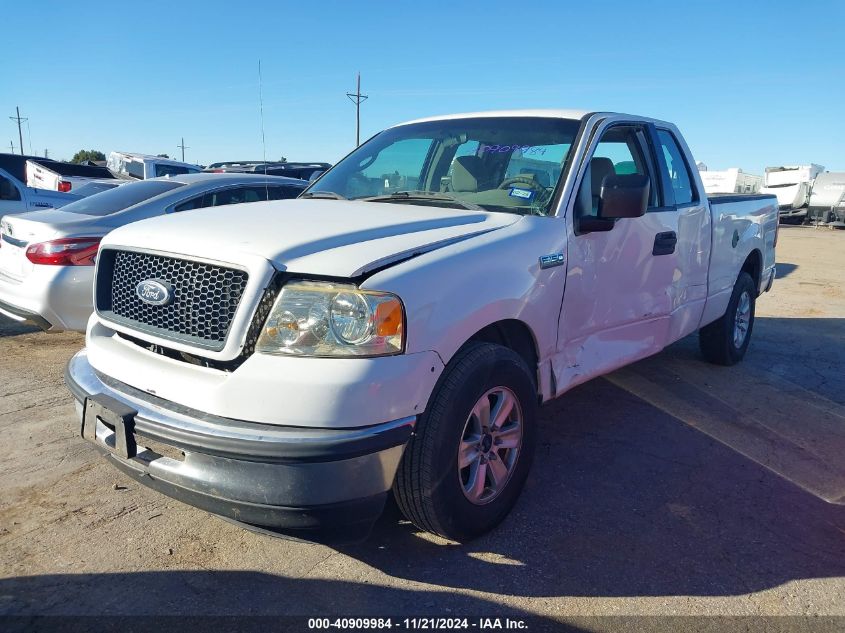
<point x="726" y="340"/>
<point x="466" y="464"/>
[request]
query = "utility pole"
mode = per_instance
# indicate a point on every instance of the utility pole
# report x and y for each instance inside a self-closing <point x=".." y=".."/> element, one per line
<point x="184" y="147"/>
<point x="46" y="153"/>
<point x="12" y="146"/>
<point x="357" y="98"/>
<point x="19" y="120"/>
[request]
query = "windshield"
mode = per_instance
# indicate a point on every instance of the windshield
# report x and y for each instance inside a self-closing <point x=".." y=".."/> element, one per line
<point x="510" y="164"/>
<point x="120" y="198"/>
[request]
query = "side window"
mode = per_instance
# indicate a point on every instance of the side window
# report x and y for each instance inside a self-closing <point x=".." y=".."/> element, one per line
<point x="284" y="193"/>
<point x="193" y="203"/>
<point x="238" y="195"/>
<point x="8" y="190"/>
<point x="678" y="175"/>
<point x="620" y="151"/>
<point x="135" y="169"/>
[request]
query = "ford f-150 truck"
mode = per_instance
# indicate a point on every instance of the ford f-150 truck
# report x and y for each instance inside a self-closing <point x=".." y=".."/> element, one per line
<point x="289" y="364"/>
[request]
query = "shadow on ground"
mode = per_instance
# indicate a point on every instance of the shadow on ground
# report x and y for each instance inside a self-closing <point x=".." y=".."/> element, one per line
<point x="784" y="270"/>
<point x="627" y="500"/>
<point x="8" y="327"/>
<point x="624" y="500"/>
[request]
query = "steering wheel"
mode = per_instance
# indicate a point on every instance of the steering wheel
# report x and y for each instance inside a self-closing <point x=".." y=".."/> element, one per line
<point x="530" y="182"/>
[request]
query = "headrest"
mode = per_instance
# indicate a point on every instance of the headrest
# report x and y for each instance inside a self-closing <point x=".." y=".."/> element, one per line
<point x="599" y="168"/>
<point x="467" y="172"/>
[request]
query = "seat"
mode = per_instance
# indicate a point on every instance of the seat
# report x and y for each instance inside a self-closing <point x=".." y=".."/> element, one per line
<point x="600" y="167"/>
<point x="468" y="174"/>
<point x="540" y="177"/>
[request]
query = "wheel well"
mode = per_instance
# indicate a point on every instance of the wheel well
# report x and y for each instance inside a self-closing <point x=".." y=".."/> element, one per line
<point x="754" y="266"/>
<point x="514" y="335"/>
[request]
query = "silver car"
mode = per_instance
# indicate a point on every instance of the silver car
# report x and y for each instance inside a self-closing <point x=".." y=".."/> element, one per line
<point x="47" y="256"/>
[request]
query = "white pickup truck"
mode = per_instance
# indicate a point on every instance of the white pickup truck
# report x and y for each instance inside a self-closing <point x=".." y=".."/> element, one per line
<point x="68" y="177"/>
<point x="289" y="364"/>
<point x="16" y="197"/>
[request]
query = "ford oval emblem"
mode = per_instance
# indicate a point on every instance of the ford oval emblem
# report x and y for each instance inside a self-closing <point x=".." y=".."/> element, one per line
<point x="154" y="292"/>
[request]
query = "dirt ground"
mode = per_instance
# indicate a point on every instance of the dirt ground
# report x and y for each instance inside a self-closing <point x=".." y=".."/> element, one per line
<point x="671" y="487"/>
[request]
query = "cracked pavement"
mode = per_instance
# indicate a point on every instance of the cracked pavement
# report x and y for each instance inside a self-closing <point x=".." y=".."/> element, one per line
<point x="670" y="487"/>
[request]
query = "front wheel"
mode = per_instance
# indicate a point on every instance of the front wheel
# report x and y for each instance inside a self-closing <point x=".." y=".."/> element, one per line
<point x="726" y="340"/>
<point x="466" y="464"/>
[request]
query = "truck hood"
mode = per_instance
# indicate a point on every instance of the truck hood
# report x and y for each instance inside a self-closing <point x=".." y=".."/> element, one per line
<point x="338" y="238"/>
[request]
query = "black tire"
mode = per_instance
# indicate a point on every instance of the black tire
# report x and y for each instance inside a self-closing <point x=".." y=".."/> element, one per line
<point x="428" y="486"/>
<point x="717" y="339"/>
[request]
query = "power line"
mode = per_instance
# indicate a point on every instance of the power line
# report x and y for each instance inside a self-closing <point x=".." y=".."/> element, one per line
<point x="357" y="98"/>
<point x="184" y="147"/>
<point x="20" y="120"/>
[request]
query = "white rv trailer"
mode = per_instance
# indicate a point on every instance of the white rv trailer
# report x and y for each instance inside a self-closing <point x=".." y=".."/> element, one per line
<point x="140" y="166"/>
<point x="826" y="200"/>
<point x="732" y="180"/>
<point x="791" y="184"/>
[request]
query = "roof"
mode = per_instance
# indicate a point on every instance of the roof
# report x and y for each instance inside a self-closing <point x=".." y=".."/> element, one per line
<point x="232" y="178"/>
<point x="551" y="114"/>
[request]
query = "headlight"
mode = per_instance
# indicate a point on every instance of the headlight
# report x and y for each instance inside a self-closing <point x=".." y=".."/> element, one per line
<point x="313" y="318"/>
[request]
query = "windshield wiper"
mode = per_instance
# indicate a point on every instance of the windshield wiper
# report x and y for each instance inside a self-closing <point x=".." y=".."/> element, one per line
<point x="328" y="195"/>
<point x="405" y="196"/>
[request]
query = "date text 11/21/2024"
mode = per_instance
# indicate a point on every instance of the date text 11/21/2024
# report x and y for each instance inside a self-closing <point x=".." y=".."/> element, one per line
<point x="420" y="623"/>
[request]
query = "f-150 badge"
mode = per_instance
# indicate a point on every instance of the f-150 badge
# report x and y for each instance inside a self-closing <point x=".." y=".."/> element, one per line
<point x="555" y="259"/>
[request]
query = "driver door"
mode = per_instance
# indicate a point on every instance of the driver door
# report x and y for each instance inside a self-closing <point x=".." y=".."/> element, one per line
<point x="618" y="296"/>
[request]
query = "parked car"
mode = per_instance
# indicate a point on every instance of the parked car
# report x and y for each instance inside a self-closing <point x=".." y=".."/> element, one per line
<point x="142" y="166"/>
<point x="65" y="177"/>
<point x="395" y="328"/>
<point x="233" y="165"/>
<point x="305" y="171"/>
<point x="16" y="196"/>
<point x="47" y="257"/>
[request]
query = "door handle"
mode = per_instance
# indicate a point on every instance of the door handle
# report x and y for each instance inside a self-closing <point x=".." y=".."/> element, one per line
<point x="664" y="243"/>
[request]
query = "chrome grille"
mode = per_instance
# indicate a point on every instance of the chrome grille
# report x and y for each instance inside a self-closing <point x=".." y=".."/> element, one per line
<point x="205" y="297"/>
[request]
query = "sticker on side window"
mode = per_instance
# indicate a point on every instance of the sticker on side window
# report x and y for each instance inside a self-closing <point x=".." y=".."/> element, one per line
<point x="519" y="192"/>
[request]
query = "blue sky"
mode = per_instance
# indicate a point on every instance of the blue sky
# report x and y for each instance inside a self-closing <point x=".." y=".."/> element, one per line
<point x="749" y="84"/>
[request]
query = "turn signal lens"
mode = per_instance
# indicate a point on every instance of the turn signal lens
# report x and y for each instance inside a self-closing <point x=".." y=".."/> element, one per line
<point x="388" y="318"/>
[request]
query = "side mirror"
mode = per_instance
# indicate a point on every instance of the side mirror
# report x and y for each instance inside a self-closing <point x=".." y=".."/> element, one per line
<point x="623" y="196"/>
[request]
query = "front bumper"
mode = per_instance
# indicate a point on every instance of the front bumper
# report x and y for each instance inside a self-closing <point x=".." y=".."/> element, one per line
<point x="259" y="474"/>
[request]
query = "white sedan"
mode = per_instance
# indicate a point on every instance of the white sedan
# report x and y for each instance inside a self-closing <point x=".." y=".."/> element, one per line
<point x="47" y="256"/>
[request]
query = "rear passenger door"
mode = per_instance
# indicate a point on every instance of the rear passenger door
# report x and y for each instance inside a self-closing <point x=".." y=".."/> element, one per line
<point x="619" y="294"/>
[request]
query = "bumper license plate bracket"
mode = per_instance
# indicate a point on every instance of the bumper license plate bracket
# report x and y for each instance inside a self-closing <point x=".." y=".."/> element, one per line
<point x="114" y="414"/>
